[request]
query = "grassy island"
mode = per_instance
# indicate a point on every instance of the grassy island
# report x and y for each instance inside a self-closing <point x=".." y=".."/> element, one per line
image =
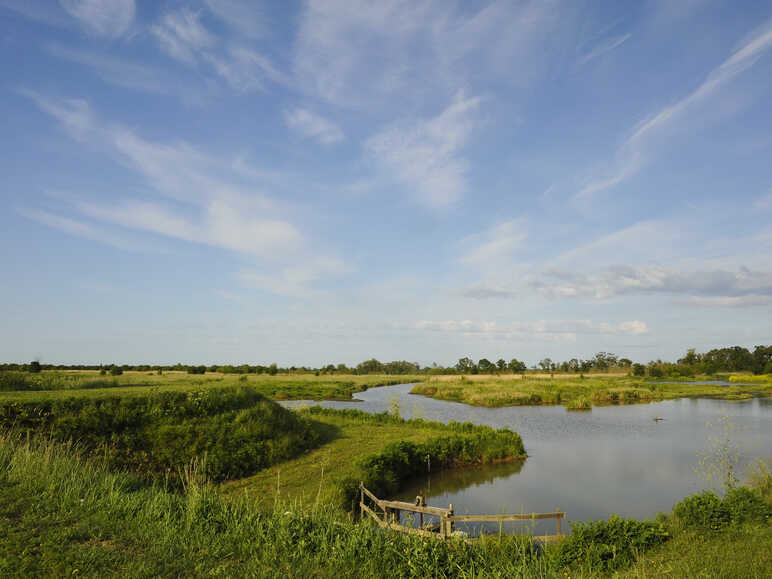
<point x="576" y="392"/>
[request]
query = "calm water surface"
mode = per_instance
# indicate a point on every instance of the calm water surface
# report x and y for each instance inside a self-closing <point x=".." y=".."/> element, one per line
<point x="612" y="459"/>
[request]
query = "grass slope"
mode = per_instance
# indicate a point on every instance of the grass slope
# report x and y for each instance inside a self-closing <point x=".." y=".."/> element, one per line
<point x="325" y="475"/>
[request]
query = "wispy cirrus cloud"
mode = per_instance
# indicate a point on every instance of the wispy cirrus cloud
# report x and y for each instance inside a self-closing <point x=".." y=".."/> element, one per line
<point x="637" y="149"/>
<point x="79" y="228"/>
<point x="313" y="126"/>
<point x="494" y="246"/>
<point x="421" y="47"/>
<point x="182" y="36"/>
<point x="102" y="17"/>
<point x="202" y="205"/>
<point x="425" y="155"/>
<point x="607" y="45"/>
<point x="244" y="16"/>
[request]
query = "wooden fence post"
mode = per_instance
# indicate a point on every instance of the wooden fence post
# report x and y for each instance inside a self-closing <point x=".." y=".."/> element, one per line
<point x="559" y="517"/>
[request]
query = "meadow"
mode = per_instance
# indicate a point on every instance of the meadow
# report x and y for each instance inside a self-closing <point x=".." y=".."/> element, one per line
<point x="23" y="385"/>
<point x="63" y="515"/>
<point x="577" y="392"/>
<point x="148" y="475"/>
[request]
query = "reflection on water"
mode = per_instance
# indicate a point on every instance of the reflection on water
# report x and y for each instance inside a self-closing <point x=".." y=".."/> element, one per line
<point x="613" y="459"/>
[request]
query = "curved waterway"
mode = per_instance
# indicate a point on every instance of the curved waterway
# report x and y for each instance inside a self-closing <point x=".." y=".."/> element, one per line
<point x="591" y="464"/>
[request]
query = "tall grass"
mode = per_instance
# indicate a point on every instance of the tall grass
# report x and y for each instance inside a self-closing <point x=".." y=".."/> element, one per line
<point x="237" y="429"/>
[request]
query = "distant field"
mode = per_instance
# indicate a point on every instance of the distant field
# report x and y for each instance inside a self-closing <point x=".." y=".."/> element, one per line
<point x="280" y="387"/>
<point x="573" y="391"/>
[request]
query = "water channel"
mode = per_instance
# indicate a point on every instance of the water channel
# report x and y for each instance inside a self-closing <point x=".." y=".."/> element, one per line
<point x="591" y="464"/>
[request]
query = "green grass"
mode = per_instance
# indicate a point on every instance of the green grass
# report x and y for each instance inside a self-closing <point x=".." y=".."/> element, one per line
<point x="326" y="474"/>
<point x="572" y="391"/>
<point x="63" y="516"/>
<point x="236" y="431"/>
<point x="279" y="387"/>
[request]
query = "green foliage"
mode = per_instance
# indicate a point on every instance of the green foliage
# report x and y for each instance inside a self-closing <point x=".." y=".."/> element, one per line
<point x="238" y="430"/>
<point x="34" y="367"/>
<point x="709" y="512"/>
<point x="606" y="545"/>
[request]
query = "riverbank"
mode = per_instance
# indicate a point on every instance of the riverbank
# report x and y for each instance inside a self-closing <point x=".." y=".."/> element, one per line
<point x="61" y="516"/>
<point x="379" y="449"/>
<point x="574" y="392"/>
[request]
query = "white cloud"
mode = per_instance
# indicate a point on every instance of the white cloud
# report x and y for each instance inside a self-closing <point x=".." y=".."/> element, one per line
<point x="182" y="36"/>
<point x="244" y="70"/>
<point x="424" y="155"/>
<point x="80" y="229"/>
<point x="648" y="137"/>
<point x="539" y="330"/>
<point x="607" y="45"/>
<point x="313" y="126"/>
<point x="711" y="286"/>
<point x="296" y="280"/>
<point x="494" y="246"/>
<point x="210" y="210"/>
<point x="361" y="54"/>
<point x="103" y="17"/>
<point x="126" y="74"/>
<point x="246" y="17"/>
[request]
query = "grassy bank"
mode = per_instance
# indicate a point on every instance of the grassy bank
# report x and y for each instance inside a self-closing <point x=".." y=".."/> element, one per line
<point x="379" y="449"/>
<point x="235" y="431"/>
<point x="570" y="390"/>
<point x="21" y="385"/>
<point x="60" y="515"/>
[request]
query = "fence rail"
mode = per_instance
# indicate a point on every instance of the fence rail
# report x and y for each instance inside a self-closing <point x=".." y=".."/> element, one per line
<point x="392" y="509"/>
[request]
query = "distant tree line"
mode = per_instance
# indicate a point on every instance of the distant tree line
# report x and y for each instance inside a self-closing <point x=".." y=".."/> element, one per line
<point x="731" y="359"/>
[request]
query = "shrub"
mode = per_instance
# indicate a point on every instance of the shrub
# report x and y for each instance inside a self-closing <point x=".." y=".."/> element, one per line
<point x="606" y="545"/>
<point x="707" y="511"/>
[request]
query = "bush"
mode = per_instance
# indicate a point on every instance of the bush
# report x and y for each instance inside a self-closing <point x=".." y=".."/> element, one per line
<point x="606" y="545"/>
<point x="707" y="511"/>
<point x="116" y="371"/>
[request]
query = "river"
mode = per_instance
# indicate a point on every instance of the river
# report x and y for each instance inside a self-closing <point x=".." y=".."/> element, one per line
<point x="591" y="464"/>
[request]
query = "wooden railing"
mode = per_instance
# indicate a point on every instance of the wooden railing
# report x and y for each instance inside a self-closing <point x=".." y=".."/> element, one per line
<point x="390" y="517"/>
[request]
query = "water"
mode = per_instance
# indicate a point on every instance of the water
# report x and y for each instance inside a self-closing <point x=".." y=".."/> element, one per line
<point x="612" y="459"/>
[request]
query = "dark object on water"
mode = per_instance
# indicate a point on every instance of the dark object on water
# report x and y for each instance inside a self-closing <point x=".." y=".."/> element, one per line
<point x="657" y="419"/>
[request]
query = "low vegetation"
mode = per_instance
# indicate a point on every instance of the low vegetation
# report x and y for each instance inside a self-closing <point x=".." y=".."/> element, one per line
<point x="576" y="393"/>
<point x="236" y="431"/>
<point x="381" y="450"/>
<point x="17" y="385"/>
<point x="63" y="515"/>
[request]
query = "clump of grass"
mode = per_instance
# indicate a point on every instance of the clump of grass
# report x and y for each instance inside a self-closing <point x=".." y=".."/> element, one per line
<point x="581" y="403"/>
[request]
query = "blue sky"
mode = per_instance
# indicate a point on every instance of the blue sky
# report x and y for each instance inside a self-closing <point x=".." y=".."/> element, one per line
<point x="315" y="182"/>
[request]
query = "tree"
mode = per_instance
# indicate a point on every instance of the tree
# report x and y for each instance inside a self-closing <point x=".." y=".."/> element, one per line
<point x="516" y="365"/>
<point x="273" y="369"/>
<point x="485" y="366"/>
<point x="546" y="364"/>
<point x="465" y="365"/>
<point x="639" y="370"/>
<point x="34" y="367"/>
<point x="501" y="364"/>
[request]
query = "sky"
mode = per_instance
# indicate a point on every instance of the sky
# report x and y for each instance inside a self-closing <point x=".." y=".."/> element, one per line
<point x="317" y="182"/>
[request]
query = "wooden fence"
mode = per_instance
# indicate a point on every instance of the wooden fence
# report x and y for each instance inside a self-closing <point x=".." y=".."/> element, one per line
<point x="390" y="516"/>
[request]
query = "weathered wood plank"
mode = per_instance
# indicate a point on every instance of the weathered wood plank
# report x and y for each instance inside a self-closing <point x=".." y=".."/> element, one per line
<point x="378" y="520"/>
<point x="402" y="506"/>
<point x="496" y="518"/>
<point x="373" y="498"/>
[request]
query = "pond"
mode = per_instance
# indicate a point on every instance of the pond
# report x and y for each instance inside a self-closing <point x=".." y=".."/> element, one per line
<point x="611" y="459"/>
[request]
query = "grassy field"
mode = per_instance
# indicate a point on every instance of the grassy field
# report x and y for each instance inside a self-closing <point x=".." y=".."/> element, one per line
<point x="571" y="390"/>
<point x="279" y="387"/>
<point x="321" y="476"/>
<point x="63" y="516"/>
